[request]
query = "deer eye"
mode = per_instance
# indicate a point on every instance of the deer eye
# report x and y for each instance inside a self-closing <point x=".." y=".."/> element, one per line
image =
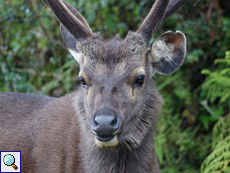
<point x="82" y="82"/>
<point x="139" y="80"/>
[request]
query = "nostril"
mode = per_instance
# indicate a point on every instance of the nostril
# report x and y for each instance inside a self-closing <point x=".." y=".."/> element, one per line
<point x="96" y="123"/>
<point x="113" y="122"/>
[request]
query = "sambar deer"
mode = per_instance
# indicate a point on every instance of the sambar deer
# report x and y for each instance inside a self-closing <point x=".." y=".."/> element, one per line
<point x="107" y="125"/>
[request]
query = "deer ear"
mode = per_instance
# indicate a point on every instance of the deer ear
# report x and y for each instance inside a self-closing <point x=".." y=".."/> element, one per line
<point x="71" y="44"/>
<point x="168" y="52"/>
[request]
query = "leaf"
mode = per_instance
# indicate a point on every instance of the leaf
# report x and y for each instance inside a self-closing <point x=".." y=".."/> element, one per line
<point x="218" y="161"/>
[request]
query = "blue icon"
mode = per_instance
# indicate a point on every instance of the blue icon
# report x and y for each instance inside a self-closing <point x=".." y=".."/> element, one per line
<point x="9" y="160"/>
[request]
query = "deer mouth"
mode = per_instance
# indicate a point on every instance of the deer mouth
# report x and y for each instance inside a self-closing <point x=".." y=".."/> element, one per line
<point x="104" y="138"/>
<point x="106" y="141"/>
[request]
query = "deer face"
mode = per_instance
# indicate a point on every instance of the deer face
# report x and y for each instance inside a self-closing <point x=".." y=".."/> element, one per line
<point x="116" y="80"/>
<point x="114" y="75"/>
<point x="121" y="102"/>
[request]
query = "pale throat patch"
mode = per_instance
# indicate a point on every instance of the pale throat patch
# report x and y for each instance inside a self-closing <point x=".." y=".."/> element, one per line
<point x="112" y="143"/>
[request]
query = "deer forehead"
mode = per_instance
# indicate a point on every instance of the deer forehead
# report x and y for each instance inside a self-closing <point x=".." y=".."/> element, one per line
<point x="114" y="51"/>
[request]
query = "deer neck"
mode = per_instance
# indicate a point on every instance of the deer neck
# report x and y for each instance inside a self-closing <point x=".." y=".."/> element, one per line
<point x="114" y="160"/>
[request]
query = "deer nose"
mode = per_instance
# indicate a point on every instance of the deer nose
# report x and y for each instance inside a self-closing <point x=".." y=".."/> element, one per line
<point x="105" y="124"/>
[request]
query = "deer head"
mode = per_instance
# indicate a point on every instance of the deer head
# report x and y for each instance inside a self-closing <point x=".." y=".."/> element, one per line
<point x="120" y="100"/>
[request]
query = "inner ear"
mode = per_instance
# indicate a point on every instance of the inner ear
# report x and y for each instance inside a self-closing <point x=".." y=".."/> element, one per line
<point x="71" y="44"/>
<point x="168" y="52"/>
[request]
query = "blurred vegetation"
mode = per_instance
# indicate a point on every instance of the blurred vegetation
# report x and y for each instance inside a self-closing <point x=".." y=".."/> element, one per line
<point x="218" y="160"/>
<point x="193" y="129"/>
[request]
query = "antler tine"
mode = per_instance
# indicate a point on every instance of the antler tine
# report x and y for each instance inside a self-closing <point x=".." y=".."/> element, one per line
<point x="153" y="20"/>
<point x="70" y="19"/>
<point x="75" y="13"/>
<point x="173" y="6"/>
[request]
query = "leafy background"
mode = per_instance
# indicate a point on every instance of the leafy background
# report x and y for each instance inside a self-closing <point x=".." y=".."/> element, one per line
<point x="194" y="126"/>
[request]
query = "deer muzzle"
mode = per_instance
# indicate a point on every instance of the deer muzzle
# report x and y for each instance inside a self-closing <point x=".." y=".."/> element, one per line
<point x="105" y="126"/>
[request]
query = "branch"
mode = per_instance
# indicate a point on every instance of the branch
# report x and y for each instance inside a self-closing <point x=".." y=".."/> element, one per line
<point x="36" y="14"/>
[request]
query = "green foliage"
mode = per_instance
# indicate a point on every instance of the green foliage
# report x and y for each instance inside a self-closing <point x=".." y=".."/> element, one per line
<point x="219" y="160"/>
<point x="218" y="84"/>
<point x="217" y="88"/>
<point x="34" y="59"/>
<point x="183" y="139"/>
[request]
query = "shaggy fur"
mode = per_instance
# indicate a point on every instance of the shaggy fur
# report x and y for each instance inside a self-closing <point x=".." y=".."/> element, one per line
<point x="60" y="128"/>
<point x="55" y="135"/>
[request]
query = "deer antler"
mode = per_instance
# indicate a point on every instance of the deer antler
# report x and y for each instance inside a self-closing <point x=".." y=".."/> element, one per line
<point x="70" y="18"/>
<point x="173" y="6"/>
<point x="160" y="11"/>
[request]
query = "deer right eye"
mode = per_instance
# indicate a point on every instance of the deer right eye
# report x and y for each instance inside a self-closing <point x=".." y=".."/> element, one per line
<point x="83" y="82"/>
<point x="139" y="81"/>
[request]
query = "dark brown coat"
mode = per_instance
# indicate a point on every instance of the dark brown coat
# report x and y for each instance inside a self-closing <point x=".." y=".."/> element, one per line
<point x="107" y="125"/>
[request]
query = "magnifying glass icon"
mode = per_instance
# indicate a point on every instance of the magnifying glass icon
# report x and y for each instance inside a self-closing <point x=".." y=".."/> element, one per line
<point x="9" y="160"/>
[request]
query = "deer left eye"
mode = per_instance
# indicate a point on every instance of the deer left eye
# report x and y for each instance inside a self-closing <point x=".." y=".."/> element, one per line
<point x="139" y="80"/>
<point x="83" y="82"/>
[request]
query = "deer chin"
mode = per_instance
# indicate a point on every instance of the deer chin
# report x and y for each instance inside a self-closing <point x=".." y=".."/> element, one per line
<point x="108" y="144"/>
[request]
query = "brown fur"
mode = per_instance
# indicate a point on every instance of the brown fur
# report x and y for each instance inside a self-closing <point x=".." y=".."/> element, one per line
<point x="55" y="134"/>
<point x="45" y="127"/>
<point x="60" y="128"/>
